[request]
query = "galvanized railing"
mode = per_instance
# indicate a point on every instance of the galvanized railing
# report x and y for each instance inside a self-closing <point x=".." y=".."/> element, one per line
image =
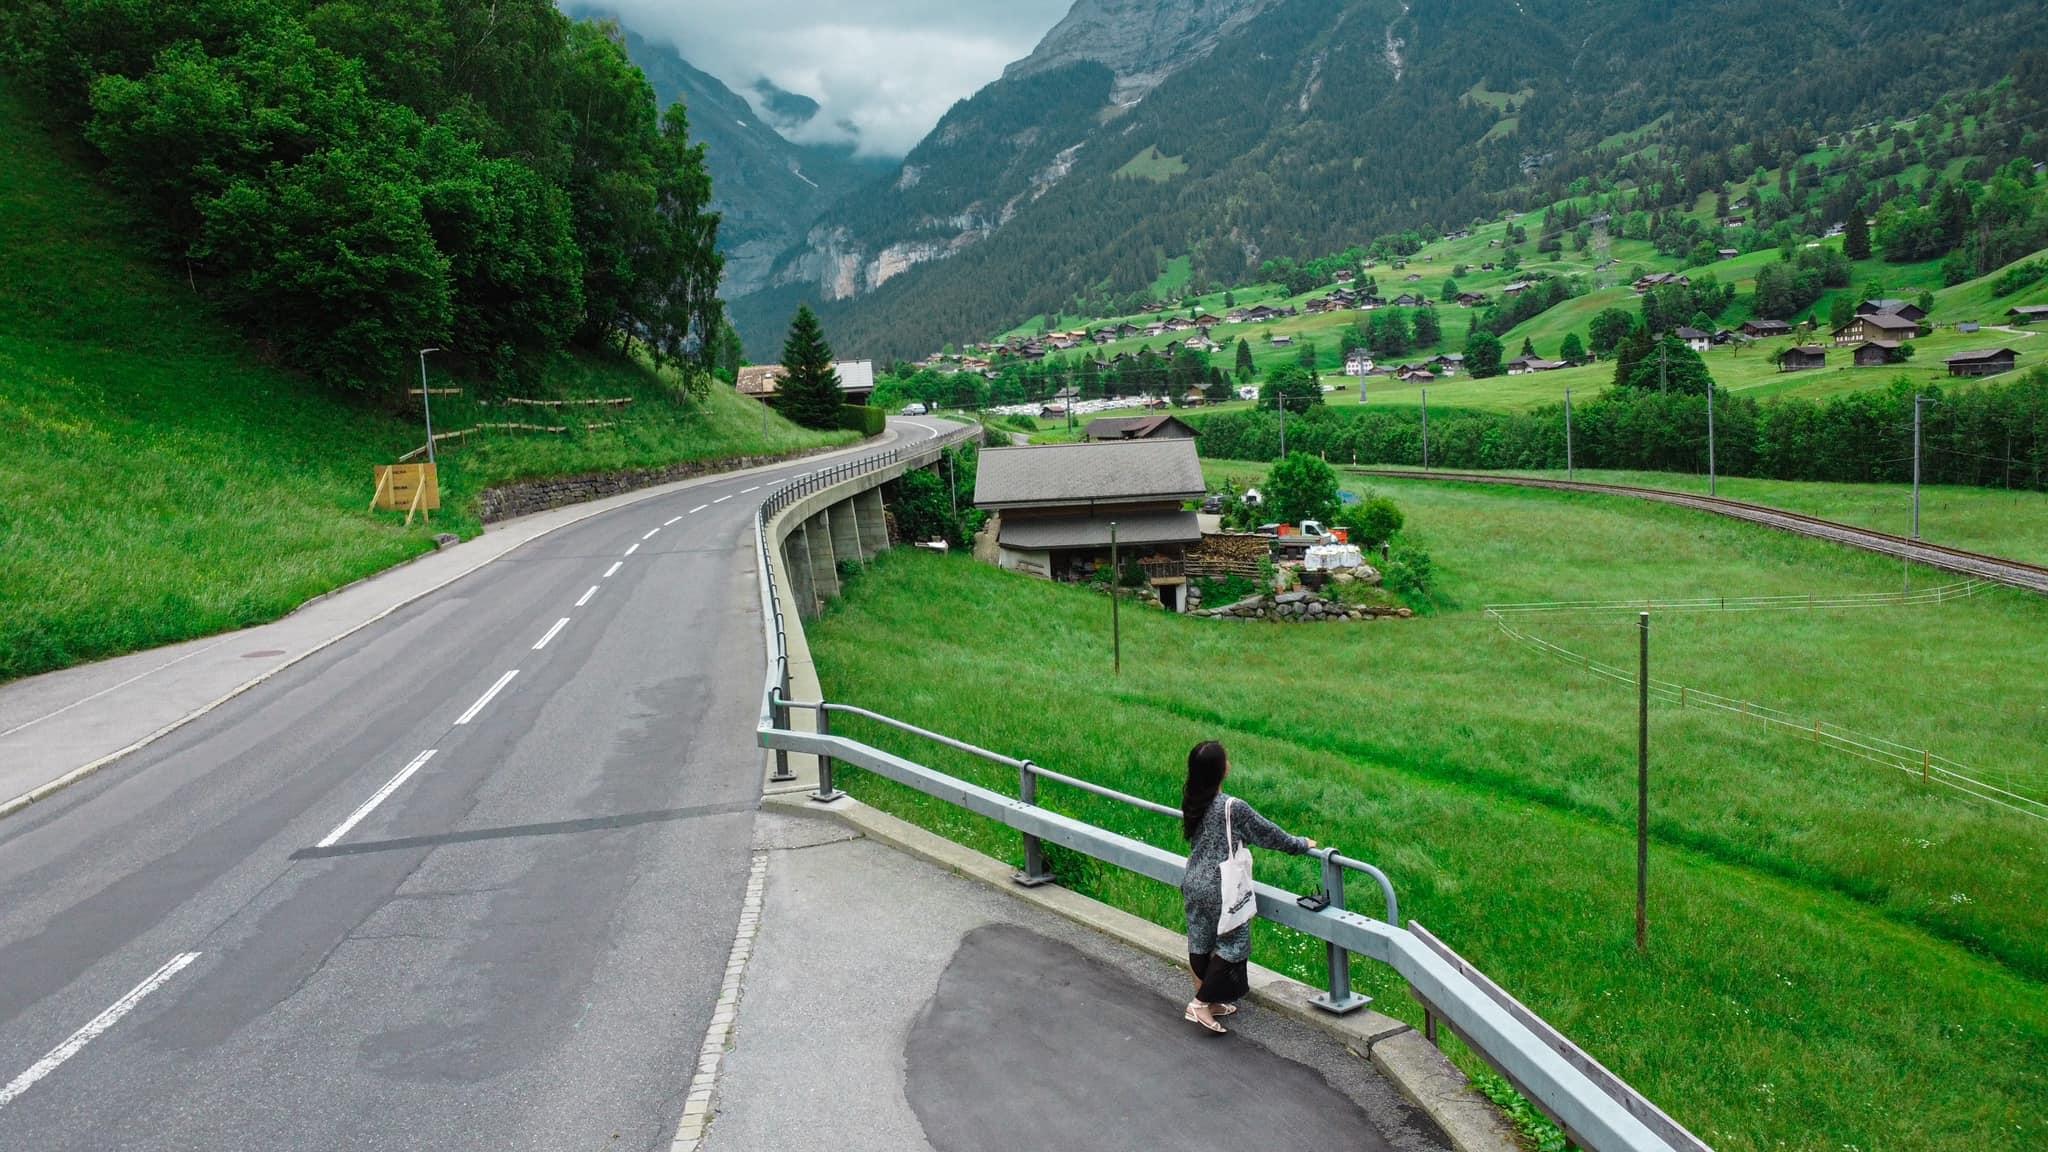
<point x="1594" y="1107"/>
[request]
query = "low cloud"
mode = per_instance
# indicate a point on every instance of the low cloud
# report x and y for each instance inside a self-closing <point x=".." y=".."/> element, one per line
<point x="883" y="71"/>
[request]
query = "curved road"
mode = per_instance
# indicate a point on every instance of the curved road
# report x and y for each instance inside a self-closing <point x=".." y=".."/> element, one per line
<point x="465" y="879"/>
<point x="1996" y="568"/>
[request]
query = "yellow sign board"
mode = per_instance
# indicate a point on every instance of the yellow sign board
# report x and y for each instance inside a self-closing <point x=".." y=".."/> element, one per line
<point x="413" y="487"/>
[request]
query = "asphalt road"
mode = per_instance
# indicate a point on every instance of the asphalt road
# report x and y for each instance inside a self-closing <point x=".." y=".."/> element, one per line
<point x="286" y="925"/>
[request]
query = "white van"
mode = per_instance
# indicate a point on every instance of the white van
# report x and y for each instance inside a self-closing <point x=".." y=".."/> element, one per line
<point x="914" y="408"/>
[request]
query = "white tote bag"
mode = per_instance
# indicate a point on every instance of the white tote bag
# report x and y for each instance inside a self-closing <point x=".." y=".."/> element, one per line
<point x="1235" y="872"/>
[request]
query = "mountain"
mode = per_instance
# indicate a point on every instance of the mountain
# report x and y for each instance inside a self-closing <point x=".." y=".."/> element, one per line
<point x="1144" y="133"/>
<point x="767" y="189"/>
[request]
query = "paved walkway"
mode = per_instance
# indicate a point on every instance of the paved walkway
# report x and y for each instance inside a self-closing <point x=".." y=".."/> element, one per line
<point x="891" y="1005"/>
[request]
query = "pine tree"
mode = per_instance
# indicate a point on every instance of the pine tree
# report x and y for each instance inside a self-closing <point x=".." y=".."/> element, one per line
<point x="810" y="390"/>
<point x="1244" y="360"/>
<point x="1856" y="239"/>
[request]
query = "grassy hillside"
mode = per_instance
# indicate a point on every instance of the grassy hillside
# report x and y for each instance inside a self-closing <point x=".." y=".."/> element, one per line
<point x="1825" y="933"/>
<point x="164" y="483"/>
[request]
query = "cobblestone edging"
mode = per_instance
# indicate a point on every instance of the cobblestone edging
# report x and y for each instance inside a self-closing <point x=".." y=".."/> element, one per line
<point x="511" y="500"/>
<point x="697" y="1110"/>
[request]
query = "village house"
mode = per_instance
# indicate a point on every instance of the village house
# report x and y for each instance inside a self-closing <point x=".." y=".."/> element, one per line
<point x="2027" y="313"/>
<point x="1878" y="353"/>
<point x="1906" y="308"/>
<point x="1658" y="280"/>
<point x="1053" y="505"/>
<point x="1410" y="374"/>
<point x="1877" y="326"/>
<point x="1283" y="341"/>
<point x="1471" y="299"/>
<point x="1988" y="362"/>
<point x="1728" y="253"/>
<point x="764" y="381"/>
<point x="1802" y="357"/>
<point x="1524" y="364"/>
<point x="1764" y="329"/>
<point x="1695" y="339"/>
<point x="1448" y="363"/>
<point x="1143" y="427"/>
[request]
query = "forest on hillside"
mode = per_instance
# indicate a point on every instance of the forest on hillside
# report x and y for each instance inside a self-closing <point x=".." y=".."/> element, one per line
<point x="353" y="181"/>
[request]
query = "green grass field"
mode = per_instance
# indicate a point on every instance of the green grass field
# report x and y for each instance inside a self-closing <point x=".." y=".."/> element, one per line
<point x="1841" y="957"/>
<point x="2012" y="524"/>
<point x="163" y="483"/>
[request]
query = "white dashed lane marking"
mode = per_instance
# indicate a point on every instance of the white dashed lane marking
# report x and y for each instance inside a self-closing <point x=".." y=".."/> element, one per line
<point x="93" y="1028"/>
<point x="616" y="565"/>
<point x="585" y="598"/>
<point x="382" y="794"/>
<point x="487" y="696"/>
<point x="543" y="641"/>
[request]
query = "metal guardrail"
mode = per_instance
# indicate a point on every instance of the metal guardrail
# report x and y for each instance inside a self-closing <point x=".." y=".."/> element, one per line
<point x="1595" y="1108"/>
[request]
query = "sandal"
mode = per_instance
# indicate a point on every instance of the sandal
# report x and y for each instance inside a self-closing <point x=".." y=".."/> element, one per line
<point x="1222" y="1009"/>
<point x="1211" y="1025"/>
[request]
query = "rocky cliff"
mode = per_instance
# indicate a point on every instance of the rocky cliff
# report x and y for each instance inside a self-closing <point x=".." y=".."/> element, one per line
<point x="1142" y="41"/>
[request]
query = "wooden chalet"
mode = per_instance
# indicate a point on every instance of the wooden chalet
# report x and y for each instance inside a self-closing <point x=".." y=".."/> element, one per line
<point x="1988" y="362"/>
<point x="1877" y="326"/>
<point x="1801" y="357"/>
<point x="1764" y="329"/>
<point x="1878" y="353"/>
<point x="1906" y="308"/>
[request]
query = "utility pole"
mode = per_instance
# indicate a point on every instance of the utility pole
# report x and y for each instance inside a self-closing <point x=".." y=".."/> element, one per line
<point x="1280" y="398"/>
<point x="1425" y="429"/>
<point x="1643" y="786"/>
<point x="1116" y="627"/>
<point x="427" y="403"/>
<point x="1570" y="473"/>
<point x="1663" y="366"/>
<point x="1713" y="480"/>
<point x="1917" y="402"/>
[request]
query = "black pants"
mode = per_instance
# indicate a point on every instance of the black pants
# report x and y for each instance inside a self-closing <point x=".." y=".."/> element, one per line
<point x="1222" y="981"/>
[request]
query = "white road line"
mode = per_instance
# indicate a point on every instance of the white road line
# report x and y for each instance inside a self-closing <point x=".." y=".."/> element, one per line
<point x="650" y="533"/>
<point x="484" y="699"/>
<point x="755" y="488"/>
<point x="381" y="795"/>
<point x="543" y="641"/>
<point x="697" y="509"/>
<point x="616" y="565"/>
<point x="586" y="596"/>
<point x="722" y="499"/>
<point x="670" y="520"/>
<point x="633" y="549"/>
<point x="94" y="1028"/>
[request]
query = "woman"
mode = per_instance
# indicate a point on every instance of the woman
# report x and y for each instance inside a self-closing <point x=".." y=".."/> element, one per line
<point x="1218" y="963"/>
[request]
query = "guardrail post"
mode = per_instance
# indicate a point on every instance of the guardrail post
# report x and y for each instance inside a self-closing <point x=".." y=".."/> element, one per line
<point x="783" y="773"/>
<point x="826" y="793"/>
<point x="1340" y="999"/>
<point x="1035" y="872"/>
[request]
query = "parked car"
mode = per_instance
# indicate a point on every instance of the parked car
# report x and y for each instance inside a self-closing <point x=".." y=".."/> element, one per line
<point x="914" y="408"/>
<point x="1213" y="504"/>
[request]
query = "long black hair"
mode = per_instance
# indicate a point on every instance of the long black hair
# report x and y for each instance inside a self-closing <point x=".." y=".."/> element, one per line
<point x="1206" y="765"/>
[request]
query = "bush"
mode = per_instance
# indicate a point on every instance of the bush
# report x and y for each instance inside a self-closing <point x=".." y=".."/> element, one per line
<point x="1301" y="487"/>
<point x="2019" y="276"/>
<point x="1411" y="575"/>
<point x="862" y="418"/>
<point x="1372" y="521"/>
<point x="1219" y="591"/>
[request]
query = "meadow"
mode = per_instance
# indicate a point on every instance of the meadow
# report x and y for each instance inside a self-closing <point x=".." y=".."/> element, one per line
<point x="1840" y="955"/>
<point x="163" y="482"/>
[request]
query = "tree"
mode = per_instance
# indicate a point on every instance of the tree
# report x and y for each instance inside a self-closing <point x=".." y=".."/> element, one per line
<point x="1856" y="237"/>
<point x="1926" y="300"/>
<point x="1510" y="260"/>
<point x="1841" y="310"/>
<point x="810" y="392"/>
<point x="1306" y="357"/>
<point x="1291" y="384"/>
<point x="1528" y="347"/>
<point x="1229" y="299"/>
<point x="1670" y="366"/>
<point x="1632" y="351"/>
<point x="1301" y="487"/>
<point x="1372" y="521"/>
<point x="1450" y="291"/>
<point x="1482" y="353"/>
<point x="1572" y="350"/>
<point x="1428" y="329"/>
<point x="1244" y="361"/>
<point x="1608" y="329"/>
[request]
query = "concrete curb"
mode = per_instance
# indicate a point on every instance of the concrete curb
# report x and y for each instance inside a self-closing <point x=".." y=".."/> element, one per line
<point x="1401" y="1054"/>
<point x="42" y="792"/>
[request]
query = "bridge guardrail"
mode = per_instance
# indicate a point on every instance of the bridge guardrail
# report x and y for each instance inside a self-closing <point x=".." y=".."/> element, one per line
<point x="1595" y="1108"/>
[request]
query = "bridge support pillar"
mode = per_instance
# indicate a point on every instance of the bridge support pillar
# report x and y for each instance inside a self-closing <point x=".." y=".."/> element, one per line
<point x="846" y="536"/>
<point x="824" y="559"/>
<point x="796" y="564"/>
<point x="874" y="526"/>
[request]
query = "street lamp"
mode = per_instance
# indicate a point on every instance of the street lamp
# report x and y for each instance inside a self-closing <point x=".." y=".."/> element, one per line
<point x="427" y="402"/>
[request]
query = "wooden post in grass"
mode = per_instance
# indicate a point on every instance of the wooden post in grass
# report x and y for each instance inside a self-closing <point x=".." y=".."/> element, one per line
<point x="1116" y="579"/>
<point x="1643" y="786"/>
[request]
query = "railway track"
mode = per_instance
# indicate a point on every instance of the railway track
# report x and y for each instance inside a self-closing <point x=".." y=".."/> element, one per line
<point x="2031" y="577"/>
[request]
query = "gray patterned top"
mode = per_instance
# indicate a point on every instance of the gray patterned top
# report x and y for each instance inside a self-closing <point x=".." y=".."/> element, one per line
<point x="1201" y="889"/>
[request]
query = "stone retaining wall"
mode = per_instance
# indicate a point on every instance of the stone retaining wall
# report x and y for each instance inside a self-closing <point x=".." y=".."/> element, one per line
<point x="542" y="495"/>
<point x="1301" y="608"/>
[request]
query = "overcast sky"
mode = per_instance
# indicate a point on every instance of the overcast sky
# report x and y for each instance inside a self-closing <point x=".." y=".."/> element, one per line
<point x="889" y="68"/>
